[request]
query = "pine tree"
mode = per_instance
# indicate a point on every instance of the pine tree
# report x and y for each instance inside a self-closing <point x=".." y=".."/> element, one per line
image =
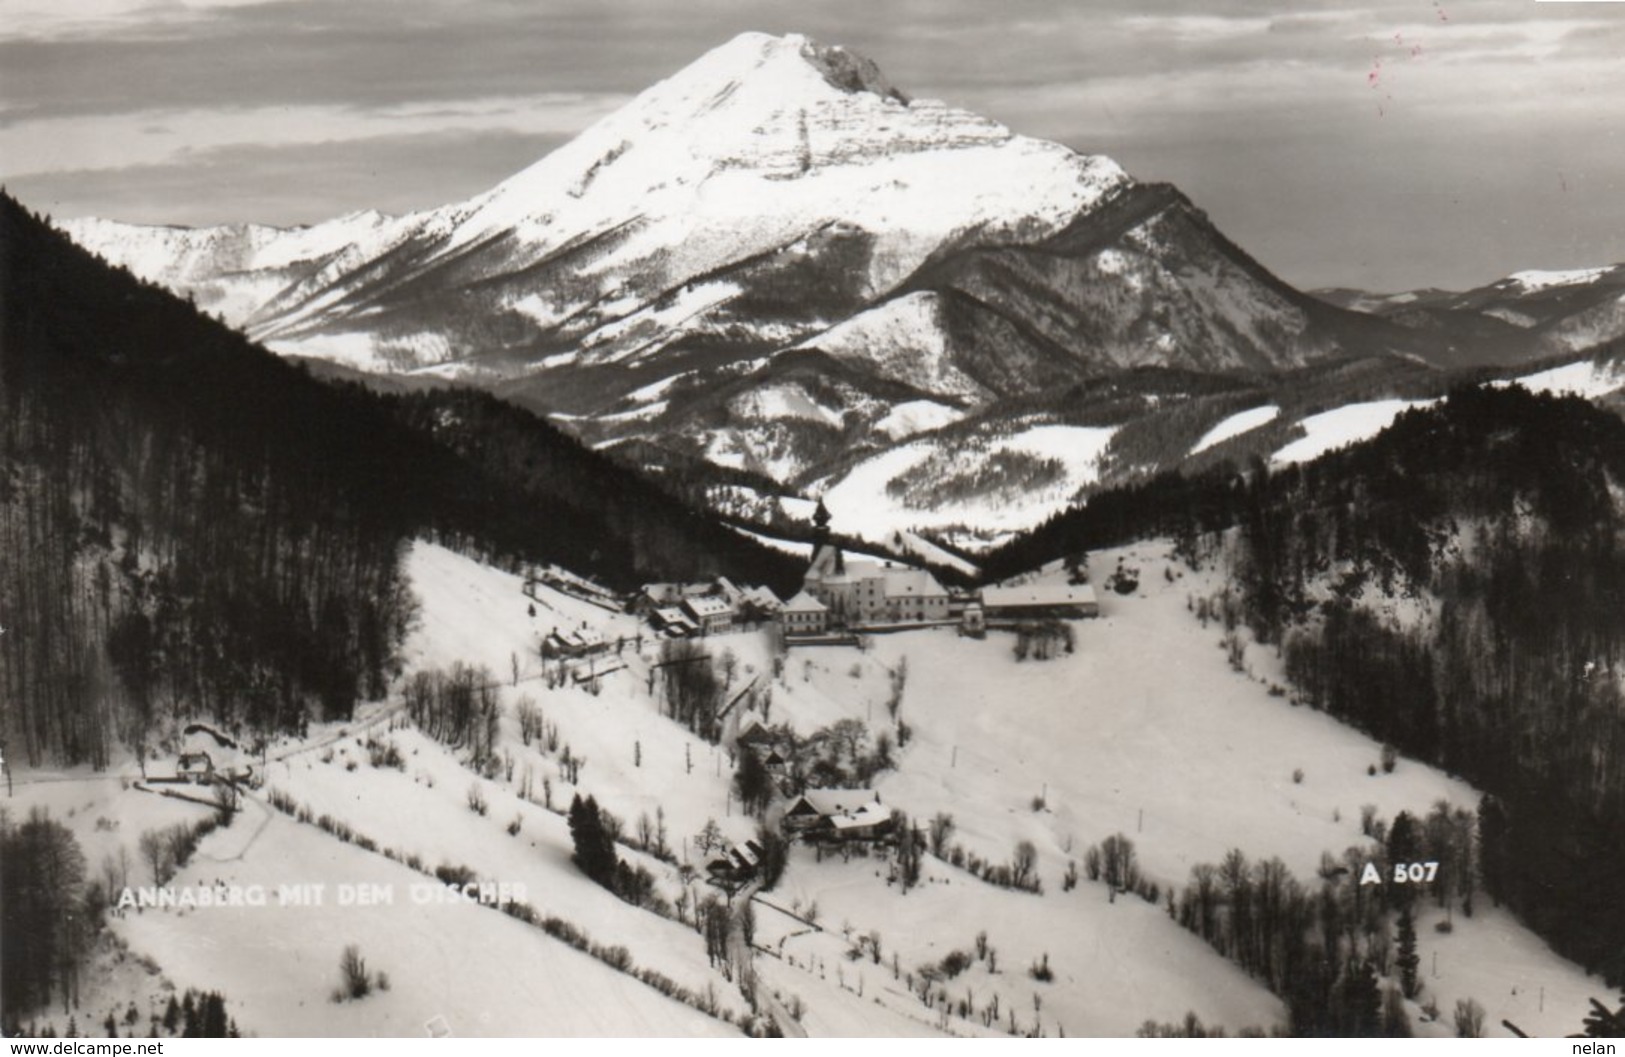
<point x="214" y="1019"/>
<point x="1407" y="959"/>
<point x="1404" y="844"/>
<point x="594" y="847"/>
<point x="753" y="783"/>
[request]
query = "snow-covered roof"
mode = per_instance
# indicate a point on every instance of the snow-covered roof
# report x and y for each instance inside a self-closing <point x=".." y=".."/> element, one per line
<point x="764" y="597"/>
<point x="1043" y="594"/>
<point x="670" y="593"/>
<point x="805" y="603"/>
<point x="577" y="638"/>
<point x="863" y="569"/>
<point x="829" y="802"/>
<point x="708" y="607"/>
<point x="868" y="815"/>
<point x="912" y="583"/>
<point x="200" y="737"/>
<point x="726" y="586"/>
<point x="672" y="615"/>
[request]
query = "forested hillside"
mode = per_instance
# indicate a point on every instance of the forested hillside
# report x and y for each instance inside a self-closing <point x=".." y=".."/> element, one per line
<point x="191" y="526"/>
<point x="1455" y="587"/>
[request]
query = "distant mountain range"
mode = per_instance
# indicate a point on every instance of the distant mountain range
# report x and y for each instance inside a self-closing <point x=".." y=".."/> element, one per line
<point x="774" y="262"/>
<point x="1522" y="317"/>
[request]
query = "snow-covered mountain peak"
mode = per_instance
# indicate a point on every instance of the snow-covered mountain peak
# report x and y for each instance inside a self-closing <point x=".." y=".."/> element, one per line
<point x="785" y="64"/>
<point x="761" y="142"/>
<point x="773" y="107"/>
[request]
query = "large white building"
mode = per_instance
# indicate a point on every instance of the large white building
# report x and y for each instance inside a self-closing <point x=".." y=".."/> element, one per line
<point x="865" y="591"/>
<point x="804" y="615"/>
<point x="1040" y="600"/>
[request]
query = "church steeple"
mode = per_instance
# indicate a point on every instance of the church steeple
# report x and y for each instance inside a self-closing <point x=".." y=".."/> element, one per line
<point x="827" y="559"/>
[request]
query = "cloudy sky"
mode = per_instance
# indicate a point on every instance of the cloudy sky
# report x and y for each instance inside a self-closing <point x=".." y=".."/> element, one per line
<point x="1384" y="145"/>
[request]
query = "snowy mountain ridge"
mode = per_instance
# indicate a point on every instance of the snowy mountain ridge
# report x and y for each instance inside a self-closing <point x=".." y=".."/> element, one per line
<point x="775" y="261"/>
<point x="759" y="146"/>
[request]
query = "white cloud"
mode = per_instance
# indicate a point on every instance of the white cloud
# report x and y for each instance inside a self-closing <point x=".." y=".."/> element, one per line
<point x="46" y="19"/>
<point x="155" y="137"/>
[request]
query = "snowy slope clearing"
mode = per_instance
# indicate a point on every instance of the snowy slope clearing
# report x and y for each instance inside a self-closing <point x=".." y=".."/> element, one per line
<point x="479" y="615"/>
<point x="480" y="971"/>
<point x="863" y="506"/>
<point x="1237" y="424"/>
<point x="1343" y="426"/>
<point x="1146" y="731"/>
<point x="1587" y="379"/>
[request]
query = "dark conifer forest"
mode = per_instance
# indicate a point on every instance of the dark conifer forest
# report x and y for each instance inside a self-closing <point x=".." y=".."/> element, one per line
<point x="193" y="527"/>
<point x="1505" y="512"/>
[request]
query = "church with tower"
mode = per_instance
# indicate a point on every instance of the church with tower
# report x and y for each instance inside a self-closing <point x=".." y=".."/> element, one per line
<point x="861" y="591"/>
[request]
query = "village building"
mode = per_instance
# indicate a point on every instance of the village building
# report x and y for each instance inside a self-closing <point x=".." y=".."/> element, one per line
<point x="804" y="615"/>
<point x="208" y="755"/>
<point x="754" y="734"/>
<point x="737" y="864"/>
<point x="573" y="642"/>
<point x="195" y="767"/>
<point x="816" y="807"/>
<point x="865" y="591"/>
<point x="568" y="583"/>
<point x="759" y="603"/>
<point x="673" y="623"/>
<point x="913" y="595"/>
<point x="764" y="742"/>
<point x="704" y="607"/>
<point x="664" y="596"/>
<point x="869" y="823"/>
<point x="1040" y="600"/>
<point x="712" y="613"/>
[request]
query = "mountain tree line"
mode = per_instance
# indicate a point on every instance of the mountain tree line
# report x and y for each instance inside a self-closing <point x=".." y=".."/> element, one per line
<point x="48" y="913"/>
<point x="190" y="526"/>
<point x="1498" y="510"/>
<point x="1502" y="507"/>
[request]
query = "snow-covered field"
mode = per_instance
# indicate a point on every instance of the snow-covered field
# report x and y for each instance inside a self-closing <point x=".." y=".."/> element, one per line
<point x="1585" y="378"/>
<point x="1147" y="731"/>
<point x="1237" y="424"/>
<point x="1342" y="426"/>
<point x="478" y="970"/>
<point x="862" y="506"/>
<point x="1144" y="730"/>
